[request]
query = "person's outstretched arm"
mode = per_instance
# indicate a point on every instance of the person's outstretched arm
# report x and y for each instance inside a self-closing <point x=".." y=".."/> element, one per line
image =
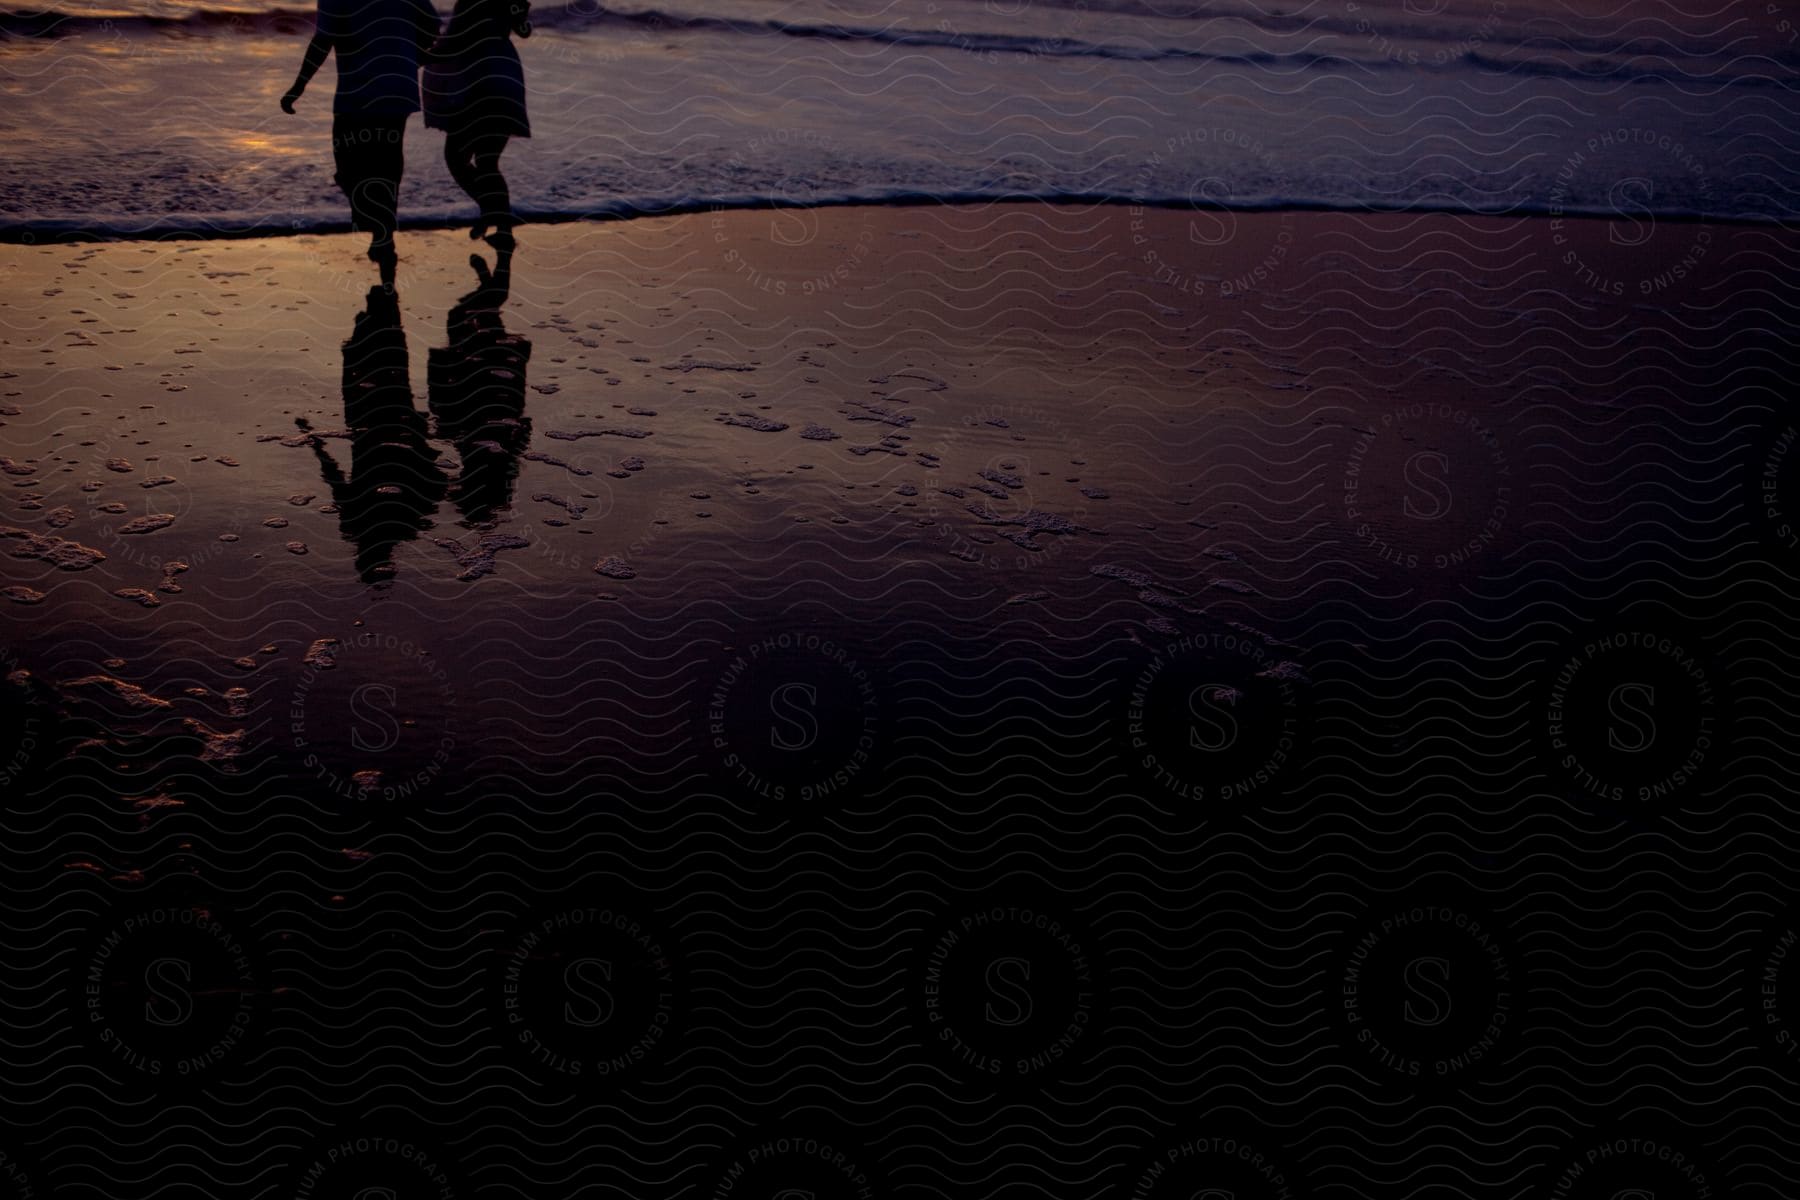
<point x="329" y="470"/>
<point x="316" y="50"/>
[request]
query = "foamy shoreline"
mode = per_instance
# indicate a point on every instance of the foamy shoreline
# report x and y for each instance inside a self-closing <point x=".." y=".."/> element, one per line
<point x="188" y="228"/>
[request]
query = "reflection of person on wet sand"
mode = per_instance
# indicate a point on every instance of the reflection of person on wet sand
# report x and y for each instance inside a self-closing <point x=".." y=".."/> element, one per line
<point x="395" y="481"/>
<point x="478" y="393"/>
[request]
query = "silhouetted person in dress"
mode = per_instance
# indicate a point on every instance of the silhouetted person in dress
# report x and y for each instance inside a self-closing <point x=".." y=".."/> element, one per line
<point x="478" y="393"/>
<point x="475" y="93"/>
<point x="379" y="44"/>
<point x="395" y="482"/>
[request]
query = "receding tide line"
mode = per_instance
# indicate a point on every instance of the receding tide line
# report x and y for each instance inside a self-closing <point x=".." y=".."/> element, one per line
<point x="204" y="227"/>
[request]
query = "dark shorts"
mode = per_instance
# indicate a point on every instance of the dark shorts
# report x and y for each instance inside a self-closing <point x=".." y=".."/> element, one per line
<point x="369" y="156"/>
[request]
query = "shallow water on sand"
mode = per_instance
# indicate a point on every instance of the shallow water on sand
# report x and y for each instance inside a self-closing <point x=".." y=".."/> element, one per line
<point x="721" y="424"/>
<point x="761" y="432"/>
<point x="792" y="583"/>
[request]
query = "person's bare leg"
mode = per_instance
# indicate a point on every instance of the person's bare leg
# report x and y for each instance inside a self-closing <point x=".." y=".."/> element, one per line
<point x="459" y="156"/>
<point x="496" y="199"/>
<point x="350" y="168"/>
<point x="387" y="166"/>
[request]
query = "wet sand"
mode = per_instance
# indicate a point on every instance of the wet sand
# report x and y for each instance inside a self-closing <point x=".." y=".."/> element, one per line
<point x="874" y="543"/>
<point x="646" y="444"/>
<point x="1098" y="427"/>
<point x="885" y="352"/>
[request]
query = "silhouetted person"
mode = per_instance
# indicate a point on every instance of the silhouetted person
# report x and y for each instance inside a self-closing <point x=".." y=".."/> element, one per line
<point x="478" y="393"/>
<point x="395" y="482"/>
<point x="378" y="44"/>
<point x="475" y="93"/>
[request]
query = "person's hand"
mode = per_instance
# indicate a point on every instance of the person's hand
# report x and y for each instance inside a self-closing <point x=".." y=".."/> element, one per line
<point x="287" y="101"/>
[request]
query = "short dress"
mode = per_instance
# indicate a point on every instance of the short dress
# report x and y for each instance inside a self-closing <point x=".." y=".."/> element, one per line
<point x="474" y="84"/>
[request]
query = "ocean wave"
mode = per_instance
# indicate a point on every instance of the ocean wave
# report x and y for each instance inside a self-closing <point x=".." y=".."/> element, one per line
<point x="41" y="23"/>
<point x="1457" y="49"/>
